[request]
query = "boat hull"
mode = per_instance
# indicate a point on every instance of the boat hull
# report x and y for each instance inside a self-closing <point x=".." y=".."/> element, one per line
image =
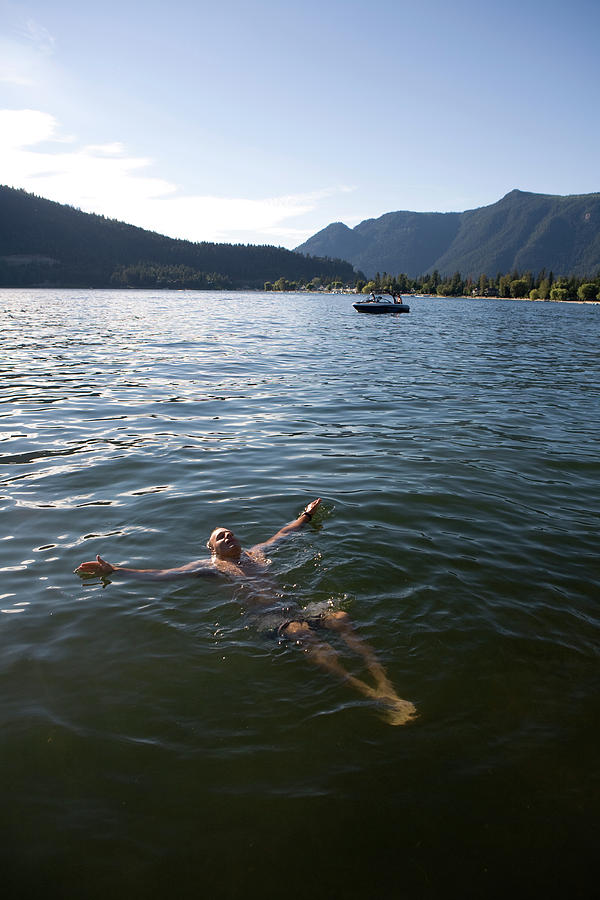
<point x="379" y="308"/>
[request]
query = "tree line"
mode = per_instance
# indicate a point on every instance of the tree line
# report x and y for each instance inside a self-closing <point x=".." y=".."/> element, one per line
<point x="518" y="285"/>
<point x="146" y="275"/>
<point x="309" y="284"/>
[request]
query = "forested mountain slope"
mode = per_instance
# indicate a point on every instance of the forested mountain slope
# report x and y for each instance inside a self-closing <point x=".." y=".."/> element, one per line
<point x="47" y="243"/>
<point x="523" y="231"/>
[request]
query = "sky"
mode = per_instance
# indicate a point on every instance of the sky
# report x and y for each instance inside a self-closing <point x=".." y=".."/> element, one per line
<point x="264" y="122"/>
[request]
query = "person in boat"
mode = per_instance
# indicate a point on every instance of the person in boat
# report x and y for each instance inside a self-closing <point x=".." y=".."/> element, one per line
<point x="302" y="627"/>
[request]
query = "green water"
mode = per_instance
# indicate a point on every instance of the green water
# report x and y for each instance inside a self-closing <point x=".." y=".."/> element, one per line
<point x="154" y="742"/>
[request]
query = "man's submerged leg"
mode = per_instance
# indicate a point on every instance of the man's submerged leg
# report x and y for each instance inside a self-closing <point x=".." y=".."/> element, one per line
<point x="397" y="710"/>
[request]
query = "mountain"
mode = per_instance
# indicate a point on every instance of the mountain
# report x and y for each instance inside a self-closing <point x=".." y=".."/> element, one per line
<point x="522" y="231"/>
<point x="49" y="244"/>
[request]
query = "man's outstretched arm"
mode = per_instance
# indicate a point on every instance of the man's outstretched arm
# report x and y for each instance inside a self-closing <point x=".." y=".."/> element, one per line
<point x="296" y="525"/>
<point x="100" y="566"/>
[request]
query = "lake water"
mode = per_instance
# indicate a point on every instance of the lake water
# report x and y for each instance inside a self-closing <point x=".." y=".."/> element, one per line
<point x="154" y="742"/>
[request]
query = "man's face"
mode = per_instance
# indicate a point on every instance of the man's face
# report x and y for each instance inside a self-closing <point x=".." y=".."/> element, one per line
<point x="224" y="544"/>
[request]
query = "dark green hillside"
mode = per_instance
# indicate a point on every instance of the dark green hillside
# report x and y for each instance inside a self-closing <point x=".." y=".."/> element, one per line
<point x="405" y="241"/>
<point x="47" y="243"/>
<point x="338" y="240"/>
<point x="523" y="231"/>
<point x="528" y="232"/>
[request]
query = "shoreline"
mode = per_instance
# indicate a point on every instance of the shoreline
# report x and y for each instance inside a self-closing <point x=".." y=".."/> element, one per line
<point x="509" y="299"/>
<point x="249" y="290"/>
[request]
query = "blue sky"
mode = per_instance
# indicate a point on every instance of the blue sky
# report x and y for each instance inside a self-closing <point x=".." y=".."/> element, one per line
<point x="263" y="122"/>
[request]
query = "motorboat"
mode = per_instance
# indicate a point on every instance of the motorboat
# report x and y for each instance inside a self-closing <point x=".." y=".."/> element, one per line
<point x="382" y="303"/>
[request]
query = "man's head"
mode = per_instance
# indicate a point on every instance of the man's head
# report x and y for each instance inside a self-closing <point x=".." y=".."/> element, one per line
<point x="224" y="544"/>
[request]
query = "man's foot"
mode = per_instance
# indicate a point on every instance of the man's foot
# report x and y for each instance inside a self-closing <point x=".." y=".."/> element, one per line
<point x="397" y="711"/>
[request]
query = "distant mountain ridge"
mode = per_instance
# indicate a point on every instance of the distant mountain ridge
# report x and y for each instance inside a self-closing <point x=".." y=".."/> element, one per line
<point x="51" y="244"/>
<point x="522" y="231"/>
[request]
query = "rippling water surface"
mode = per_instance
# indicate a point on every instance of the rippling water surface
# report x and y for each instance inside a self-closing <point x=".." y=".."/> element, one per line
<point x="154" y="742"/>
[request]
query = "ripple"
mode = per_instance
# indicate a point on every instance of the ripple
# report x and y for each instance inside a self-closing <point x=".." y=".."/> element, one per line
<point x="456" y="450"/>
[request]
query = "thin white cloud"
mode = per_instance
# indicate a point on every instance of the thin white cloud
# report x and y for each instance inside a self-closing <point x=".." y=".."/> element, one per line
<point x="25" y="48"/>
<point x="23" y="127"/>
<point x="18" y="64"/>
<point x="201" y="218"/>
<point x="10" y="75"/>
<point x="104" y="179"/>
<point x="38" y="35"/>
<point x="106" y="149"/>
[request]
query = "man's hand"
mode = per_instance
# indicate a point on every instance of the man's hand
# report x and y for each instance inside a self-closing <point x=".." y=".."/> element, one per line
<point x="312" y="506"/>
<point x="97" y="567"/>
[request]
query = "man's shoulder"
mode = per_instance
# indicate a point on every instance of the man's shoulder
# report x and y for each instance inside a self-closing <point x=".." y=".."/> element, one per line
<point x="200" y="567"/>
<point x="256" y="556"/>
